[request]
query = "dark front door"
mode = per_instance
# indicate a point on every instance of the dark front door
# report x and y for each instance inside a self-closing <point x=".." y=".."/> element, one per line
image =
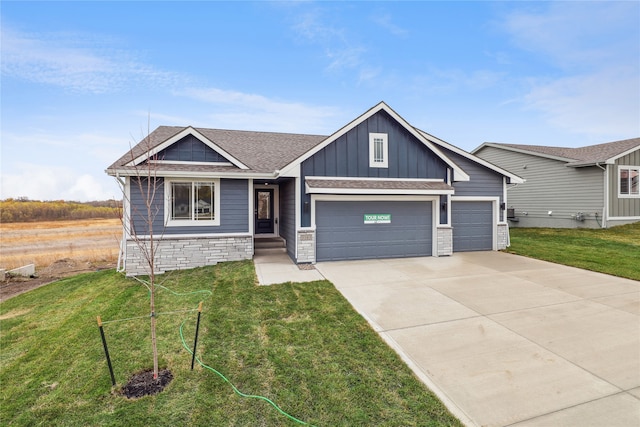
<point x="264" y="211"/>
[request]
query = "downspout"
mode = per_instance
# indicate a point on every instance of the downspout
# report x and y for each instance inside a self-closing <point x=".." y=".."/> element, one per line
<point x="605" y="213"/>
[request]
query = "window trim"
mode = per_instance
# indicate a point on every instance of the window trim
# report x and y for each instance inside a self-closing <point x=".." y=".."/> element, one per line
<point x="628" y="195"/>
<point x="191" y="222"/>
<point x="385" y="150"/>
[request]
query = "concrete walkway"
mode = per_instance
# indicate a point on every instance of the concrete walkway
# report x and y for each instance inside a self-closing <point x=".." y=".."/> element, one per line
<point x="506" y="340"/>
<point x="274" y="266"/>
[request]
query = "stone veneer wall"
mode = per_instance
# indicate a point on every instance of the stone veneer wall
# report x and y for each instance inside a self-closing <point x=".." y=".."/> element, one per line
<point x="503" y="236"/>
<point x="183" y="253"/>
<point x="445" y="241"/>
<point x="306" y="246"/>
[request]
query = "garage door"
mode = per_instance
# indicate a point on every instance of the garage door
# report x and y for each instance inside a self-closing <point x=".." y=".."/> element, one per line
<point x="472" y="226"/>
<point x="393" y="229"/>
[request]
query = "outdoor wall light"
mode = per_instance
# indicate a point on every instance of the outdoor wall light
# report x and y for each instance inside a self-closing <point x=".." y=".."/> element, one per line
<point x="306" y="207"/>
<point x="502" y="206"/>
<point x="444" y="206"/>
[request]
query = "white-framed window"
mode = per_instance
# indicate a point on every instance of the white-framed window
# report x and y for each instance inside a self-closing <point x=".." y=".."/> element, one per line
<point x="628" y="181"/>
<point x="192" y="202"/>
<point x="378" y="150"/>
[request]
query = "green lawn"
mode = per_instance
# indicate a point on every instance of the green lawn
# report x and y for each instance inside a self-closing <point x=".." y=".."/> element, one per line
<point x="300" y="345"/>
<point x="613" y="251"/>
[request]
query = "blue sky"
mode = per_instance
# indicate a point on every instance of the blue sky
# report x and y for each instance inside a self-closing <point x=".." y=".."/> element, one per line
<point x="81" y="81"/>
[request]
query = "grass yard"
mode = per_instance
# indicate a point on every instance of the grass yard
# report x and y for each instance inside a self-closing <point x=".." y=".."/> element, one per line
<point x="614" y="251"/>
<point x="300" y="345"/>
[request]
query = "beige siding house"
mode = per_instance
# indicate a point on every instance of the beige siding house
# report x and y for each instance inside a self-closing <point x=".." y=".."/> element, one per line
<point x="593" y="186"/>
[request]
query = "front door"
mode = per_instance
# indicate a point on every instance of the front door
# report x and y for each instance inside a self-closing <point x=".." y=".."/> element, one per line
<point x="264" y="211"/>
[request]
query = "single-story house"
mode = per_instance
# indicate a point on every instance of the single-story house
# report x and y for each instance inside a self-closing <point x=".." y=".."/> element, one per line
<point x="593" y="186"/>
<point x="376" y="188"/>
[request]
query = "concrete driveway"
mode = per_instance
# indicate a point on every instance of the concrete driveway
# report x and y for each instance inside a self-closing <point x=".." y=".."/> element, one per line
<point x="506" y="340"/>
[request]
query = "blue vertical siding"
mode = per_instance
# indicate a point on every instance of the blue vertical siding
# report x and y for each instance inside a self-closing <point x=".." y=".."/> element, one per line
<point x="139" y="214"/>
<point x="191" y="149"/>
<point x="234" y="210"/>
<point x="483" y="181"/>
<point x="348" y="156"/>
<point x="287" y="201"/>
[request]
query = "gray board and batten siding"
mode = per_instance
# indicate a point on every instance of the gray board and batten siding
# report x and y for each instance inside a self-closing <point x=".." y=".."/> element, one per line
<point x="550" y="186"/>
<point x="287" y="209"/>
<point x="483" y="181"/>
<point x="341" y="233"/>
<point x="191" y="149"/>
<point x="234" y="210"/>
<point x="348" y="156"/>
<point x="623" y="206"/>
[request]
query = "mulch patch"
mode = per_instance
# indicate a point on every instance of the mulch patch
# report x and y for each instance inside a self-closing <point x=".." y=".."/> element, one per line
<point x="143" y="384"/>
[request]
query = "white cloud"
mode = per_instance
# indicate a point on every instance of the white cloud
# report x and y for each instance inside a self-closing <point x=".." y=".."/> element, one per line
<point x="605" y="105"/>
<point x="579" y="33"/>
<point x="592" y="51"/>
<point x="73" y="62"/>
<point x="341" y="51"/>
<point x="240" y="110"/>
<point x="40" y="182"/>
<point x="384" y="20"/>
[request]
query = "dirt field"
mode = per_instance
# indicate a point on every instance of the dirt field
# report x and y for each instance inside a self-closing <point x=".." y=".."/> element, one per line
<point x="58" y="249"/>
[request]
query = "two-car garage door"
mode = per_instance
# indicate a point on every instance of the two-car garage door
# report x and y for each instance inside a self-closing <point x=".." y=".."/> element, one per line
<point x="373" y="229"/>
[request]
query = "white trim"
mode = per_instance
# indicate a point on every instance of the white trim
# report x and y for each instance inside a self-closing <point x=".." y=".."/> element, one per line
<point x="276" y="208"/>
<point x="505" y="201"/>
<point x="495" y="204"/>
<point x="435" y="209"/>
<point x="514" y="178"/>
<point x="357" y="178"/>
<point x="177" y="137"/>
<point x="627" y="196"/>
<point x="375" y="191"/>
<point x="185" y="162"/>
<point x="612" y="160"/>
<point x="624" y="218"/>
<point x="191" y="223"/>
<point x="251" y="211"/>
<point x="193" y="236"/>
<point x="523" y="151"/>
<point x="384" y="163"/>
<point x="126" y="207"/>
<point x="198" y="174"/>
<point x="459" y="174"/>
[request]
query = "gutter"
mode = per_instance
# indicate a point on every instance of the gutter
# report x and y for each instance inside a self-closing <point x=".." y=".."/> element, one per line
<point x="605" y="214"/>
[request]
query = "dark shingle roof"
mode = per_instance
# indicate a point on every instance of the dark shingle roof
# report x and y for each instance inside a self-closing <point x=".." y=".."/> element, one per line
<point x="262" y="152"/>
<point x="582" y="156"/>
<point x="377" y="184"/>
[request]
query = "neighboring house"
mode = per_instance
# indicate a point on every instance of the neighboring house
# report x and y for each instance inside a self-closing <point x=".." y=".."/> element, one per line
<point x="594" y="186"/>
<point x="376" y="188"/>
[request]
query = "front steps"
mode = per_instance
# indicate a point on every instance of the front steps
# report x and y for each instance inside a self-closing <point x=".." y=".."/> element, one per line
<point x="269" y="245"/>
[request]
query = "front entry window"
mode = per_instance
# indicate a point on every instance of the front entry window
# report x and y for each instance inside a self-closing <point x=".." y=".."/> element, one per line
<point x="264" y="205"/>
<point x="264" y="212"/>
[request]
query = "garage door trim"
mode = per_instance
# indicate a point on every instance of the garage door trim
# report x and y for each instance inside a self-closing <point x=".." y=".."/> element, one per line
<point x="435" y="212"/>
<point x="495" y="202"/>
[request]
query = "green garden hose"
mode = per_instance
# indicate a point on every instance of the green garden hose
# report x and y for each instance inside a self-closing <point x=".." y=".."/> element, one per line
<point x="238" y="392"/>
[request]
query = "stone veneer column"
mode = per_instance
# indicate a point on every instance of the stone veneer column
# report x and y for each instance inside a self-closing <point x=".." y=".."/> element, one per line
<point x="183" y="253"/>
<point x="503" y="236"/>
<point x="306" y="246"/>
<point x="445" y="241"/>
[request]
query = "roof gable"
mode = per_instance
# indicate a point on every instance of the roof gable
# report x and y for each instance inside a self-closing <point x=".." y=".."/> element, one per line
<point x="191" y="149"/>
<point x="515" y="179"/>
<point x="459" y="174"/>
<point x="575" y="157"/>
<point x="150" y="152"/>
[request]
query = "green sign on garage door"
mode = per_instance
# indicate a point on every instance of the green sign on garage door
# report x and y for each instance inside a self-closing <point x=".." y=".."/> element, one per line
<point x="377" y="218"/>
